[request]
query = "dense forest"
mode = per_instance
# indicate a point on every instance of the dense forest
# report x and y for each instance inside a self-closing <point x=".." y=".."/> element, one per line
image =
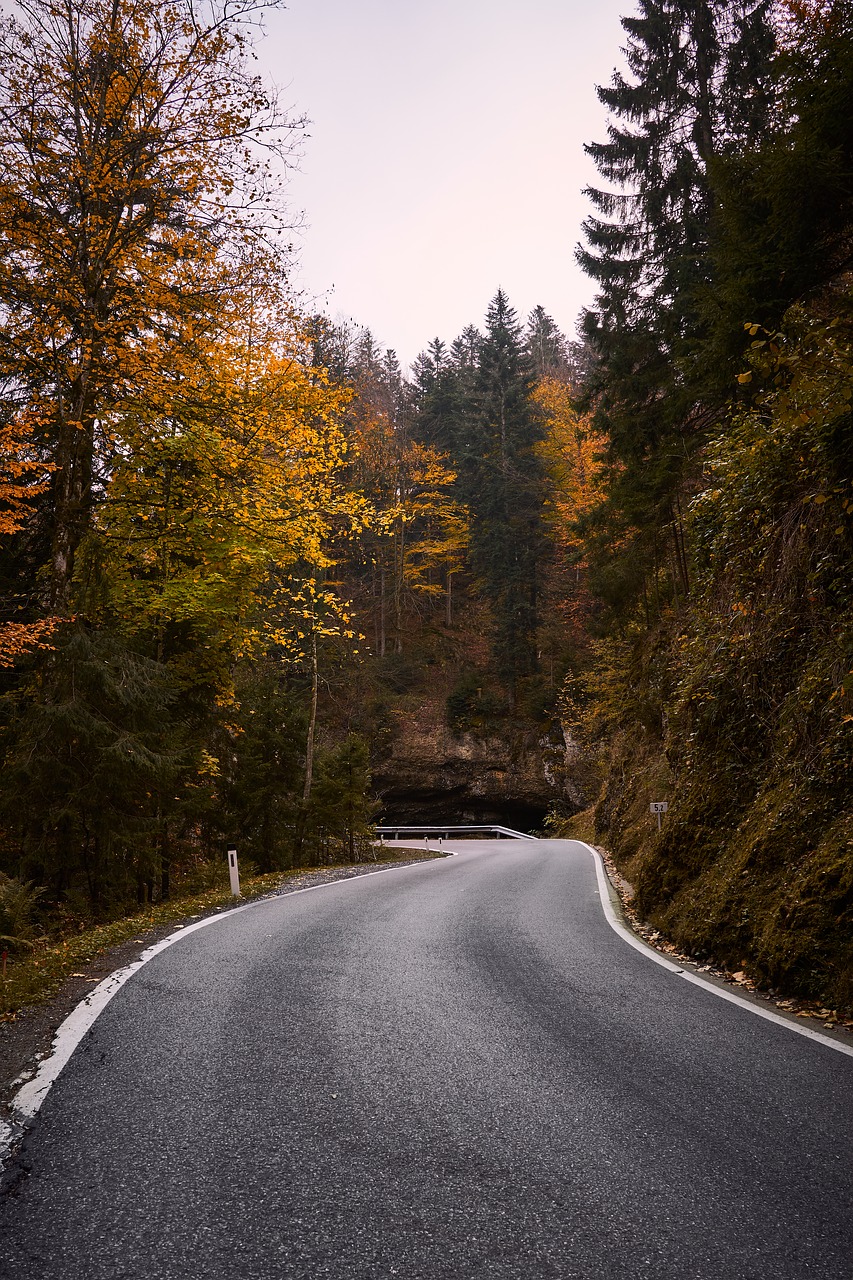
<point x="238" y="540"/>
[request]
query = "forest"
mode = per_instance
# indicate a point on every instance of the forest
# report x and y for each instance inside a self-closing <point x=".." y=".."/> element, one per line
<point x="238" y="540"/>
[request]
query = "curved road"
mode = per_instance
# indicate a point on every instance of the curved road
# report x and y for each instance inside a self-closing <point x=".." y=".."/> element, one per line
<point x="452" y="1070"/>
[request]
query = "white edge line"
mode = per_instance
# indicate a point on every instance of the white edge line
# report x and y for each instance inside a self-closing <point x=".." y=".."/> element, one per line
<point x="631" y="938"/>
<point x="28" y="1099"/>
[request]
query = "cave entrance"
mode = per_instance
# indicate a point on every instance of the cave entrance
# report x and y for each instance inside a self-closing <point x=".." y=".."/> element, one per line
<point x="429" y="809"/>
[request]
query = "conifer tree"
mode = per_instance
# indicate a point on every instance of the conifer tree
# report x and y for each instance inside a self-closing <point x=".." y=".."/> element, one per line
<point x="545" y="344"/>
<point x="698" y="85"/>
<point x="341" y="809"/>
<point x="438" y="397"/>
<point x="84" y="766"/>
<point x="785" y="203"/>
<point x="261" y="765"/>
<point x="502" y="481"/>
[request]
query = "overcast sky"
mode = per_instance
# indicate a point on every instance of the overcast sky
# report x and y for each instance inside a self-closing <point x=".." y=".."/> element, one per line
<point x="445" y="155"/>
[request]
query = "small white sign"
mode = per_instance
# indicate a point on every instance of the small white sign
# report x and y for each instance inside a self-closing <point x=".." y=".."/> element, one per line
<point x="658" y="806"/>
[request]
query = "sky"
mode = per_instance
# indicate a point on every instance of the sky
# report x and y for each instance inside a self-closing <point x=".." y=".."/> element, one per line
<point x="445" y="155"/>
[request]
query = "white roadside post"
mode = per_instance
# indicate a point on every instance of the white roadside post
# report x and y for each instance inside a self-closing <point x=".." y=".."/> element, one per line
<point x="658" y="807"/>
<point x="234" y="873"/>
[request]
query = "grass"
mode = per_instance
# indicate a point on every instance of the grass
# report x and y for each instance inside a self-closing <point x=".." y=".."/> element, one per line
<point x="581" y="826"/>
<point x="37" y="974"/>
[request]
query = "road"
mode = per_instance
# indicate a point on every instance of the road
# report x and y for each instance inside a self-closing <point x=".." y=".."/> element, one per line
<point x="452" y="1070"/>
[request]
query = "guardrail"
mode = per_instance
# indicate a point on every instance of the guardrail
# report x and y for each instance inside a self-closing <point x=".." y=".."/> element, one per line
<point x="396" y="832"/>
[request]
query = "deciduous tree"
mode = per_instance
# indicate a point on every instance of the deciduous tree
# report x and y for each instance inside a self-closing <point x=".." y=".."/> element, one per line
<point x="135" y="200"/>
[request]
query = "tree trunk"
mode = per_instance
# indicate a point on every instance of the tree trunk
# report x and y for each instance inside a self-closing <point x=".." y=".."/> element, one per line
<point x="165" y="863"/>
<point x="72" y="510"/>
<point x="399" y="560"/>
<point x="312" y="722"/>
<point x="702" y="37"/>
<point x="680" y="547"/>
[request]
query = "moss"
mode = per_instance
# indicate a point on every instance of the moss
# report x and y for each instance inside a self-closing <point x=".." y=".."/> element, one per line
<point x="753" y="877"/>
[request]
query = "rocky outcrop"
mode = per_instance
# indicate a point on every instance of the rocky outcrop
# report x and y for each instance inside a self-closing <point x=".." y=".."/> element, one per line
<point x="430" y="774"/>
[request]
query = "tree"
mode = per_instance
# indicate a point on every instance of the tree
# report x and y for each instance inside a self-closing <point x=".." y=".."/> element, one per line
<point x="502" y="481"/>
<point x="217" y="492"/>
<point x="172" y="451"/>
<point x="699" y="86"/>
<point x="785" y="202"/>
<point x="83" y="766"/>
<point x="701" y="82"/>
<point x="341" y="809"/>
<point x="437" y="396"/>
<point x="572" y="454"/>
<point x="259" y="764"/>
<point x="24" y="477"/>
<point x="414" y="538"/>
<point x="546" y="345"/>
<point x="135" y="198"/>
<point x="417" y="528"/>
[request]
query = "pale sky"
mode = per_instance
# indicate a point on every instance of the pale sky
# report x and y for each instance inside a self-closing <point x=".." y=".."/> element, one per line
<point x="445" y="156"/>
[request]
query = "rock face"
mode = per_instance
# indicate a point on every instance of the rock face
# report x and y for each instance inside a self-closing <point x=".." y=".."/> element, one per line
<point x="432" y="775"/>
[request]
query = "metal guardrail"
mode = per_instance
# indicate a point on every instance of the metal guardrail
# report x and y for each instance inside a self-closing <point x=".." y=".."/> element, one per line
<point x="397" y="830"/>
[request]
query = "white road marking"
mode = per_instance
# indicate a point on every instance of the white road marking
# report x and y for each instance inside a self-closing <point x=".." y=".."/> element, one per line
<point x="695" y="978"/>
<point x="28" y="1099"/>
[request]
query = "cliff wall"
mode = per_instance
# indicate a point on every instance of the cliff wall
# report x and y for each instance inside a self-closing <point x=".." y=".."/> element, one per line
<point x="508" y="773"/>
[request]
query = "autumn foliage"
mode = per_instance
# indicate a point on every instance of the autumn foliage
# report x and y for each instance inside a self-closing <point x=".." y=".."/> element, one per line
<point x="171" y="460"/>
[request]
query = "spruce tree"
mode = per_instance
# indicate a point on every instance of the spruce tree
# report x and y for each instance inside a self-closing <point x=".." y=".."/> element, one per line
<point x="698" y="85"/>
<point x="502" y="481"/>
<point x="545" y="345"/>
<point x="87" y="768"/>
<point x="785" y="203"/>
<point x="436" y="398"/>
<point x="341" y="812"/>
<point x="261" y="754"/>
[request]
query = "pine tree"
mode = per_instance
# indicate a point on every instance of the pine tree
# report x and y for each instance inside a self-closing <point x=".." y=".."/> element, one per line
<point x="699" y="84"/>
<point x="502" y="481"/>
<point x="85" y="764"/>
<point x="784" y="226"/>
<point x="545" y="345"/>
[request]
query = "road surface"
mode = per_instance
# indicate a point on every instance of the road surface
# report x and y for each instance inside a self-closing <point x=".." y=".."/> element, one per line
<point x="453" y="1070"/>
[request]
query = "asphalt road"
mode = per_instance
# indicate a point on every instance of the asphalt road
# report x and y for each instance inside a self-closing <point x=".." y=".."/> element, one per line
<point x="452" y="1070"/>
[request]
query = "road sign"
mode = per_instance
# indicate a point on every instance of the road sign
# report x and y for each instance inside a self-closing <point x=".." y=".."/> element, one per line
<point x="658" y="807"/>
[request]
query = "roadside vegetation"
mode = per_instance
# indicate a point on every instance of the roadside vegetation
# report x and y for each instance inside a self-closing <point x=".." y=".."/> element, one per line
<point x="239" y="542"/>
<point x="722" y="555"/>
